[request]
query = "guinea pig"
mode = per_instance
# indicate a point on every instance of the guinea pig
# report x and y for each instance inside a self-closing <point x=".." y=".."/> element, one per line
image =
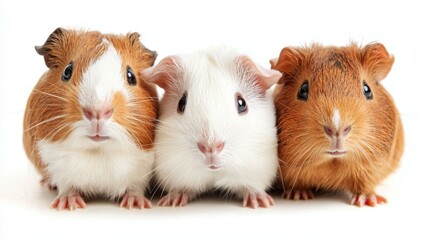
<point x="216" y="127"/>
<point x="338" y="128"/>
<point x="90" y="120"/>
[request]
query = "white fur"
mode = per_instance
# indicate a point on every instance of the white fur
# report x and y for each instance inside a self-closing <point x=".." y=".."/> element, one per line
<point x="102" y="79"/>
<point x="108" y="168"/>
<point x="249" y="158"/>
<point x="336" y="118"/>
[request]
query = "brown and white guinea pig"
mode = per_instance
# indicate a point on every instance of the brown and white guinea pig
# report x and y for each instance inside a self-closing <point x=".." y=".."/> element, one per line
<point x="338" y="128"/>
<point x="216" y="127"/>
<point x="89" y="122"/>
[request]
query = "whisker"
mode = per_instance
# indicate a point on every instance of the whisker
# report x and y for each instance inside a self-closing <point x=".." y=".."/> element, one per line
<point x="45" y="121"/>
<point x="51" y="95"/>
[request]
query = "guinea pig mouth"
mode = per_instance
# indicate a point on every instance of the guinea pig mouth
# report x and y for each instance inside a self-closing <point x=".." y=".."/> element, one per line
<point x="214" y="167"/>
<point x="337" y="153"/>
<point x="213" y="164"/>
<point x="98" y="138"/>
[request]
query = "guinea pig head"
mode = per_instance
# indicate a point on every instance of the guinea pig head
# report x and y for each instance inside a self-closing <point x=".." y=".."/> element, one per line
<point x="331" y="105"/>
<point x="213" y="108"/>
<point x="92" y="91"/>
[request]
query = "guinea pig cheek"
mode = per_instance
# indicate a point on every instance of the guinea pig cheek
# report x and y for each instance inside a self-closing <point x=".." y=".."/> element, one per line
<point x="119" y="104"/>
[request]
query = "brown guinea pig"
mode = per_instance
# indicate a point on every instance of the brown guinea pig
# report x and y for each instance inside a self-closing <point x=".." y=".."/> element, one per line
<point x="89" y="122"/>
<point x="338" y="128"/>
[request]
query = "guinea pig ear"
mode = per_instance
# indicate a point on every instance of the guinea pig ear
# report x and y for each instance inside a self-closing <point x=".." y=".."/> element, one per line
<point x="165" y="73"/>
<point x="273" y="62"/>
<point x="288" y="63"/>
<point x="134" y="39"/>
<point x="52" y="49"/>
<point x="265" y="78"/>
<point x="377" y="61"/>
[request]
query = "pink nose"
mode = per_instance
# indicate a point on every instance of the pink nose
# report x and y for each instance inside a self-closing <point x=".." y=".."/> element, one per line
<point x="104" y="113"/>
<point x="217" y="147"/>
<point x="342" y="132"/>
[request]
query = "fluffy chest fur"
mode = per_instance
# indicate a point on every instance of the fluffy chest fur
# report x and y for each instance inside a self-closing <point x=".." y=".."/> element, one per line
<point x="106" y="170"/>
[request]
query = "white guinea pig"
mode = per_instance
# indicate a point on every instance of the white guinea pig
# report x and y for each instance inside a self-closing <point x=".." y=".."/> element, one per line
<point x="89" y="122"/>
<point x="216" y="127"/>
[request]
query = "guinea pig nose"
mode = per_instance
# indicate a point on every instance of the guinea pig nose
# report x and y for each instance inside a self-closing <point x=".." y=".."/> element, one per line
<point x="329" y="131"/>
<point x="89" y="114"/>
<point x="105" y="113"/>
<point x="346" y="130"/>
<point x="216" y="147"/>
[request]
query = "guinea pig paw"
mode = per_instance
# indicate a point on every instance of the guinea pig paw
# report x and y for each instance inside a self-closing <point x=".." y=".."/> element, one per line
<point x="298" y="195"/>
<point x="372" y="200"/>
<point x="175" y="200"/>
<point x="255" y="200"/>
<point x="68" y="202"/>
<point x="130" y="201"/>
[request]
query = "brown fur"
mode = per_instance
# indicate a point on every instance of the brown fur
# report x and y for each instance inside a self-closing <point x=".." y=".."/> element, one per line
<point x="335" y="75"/>
<point x="52" y="97"/>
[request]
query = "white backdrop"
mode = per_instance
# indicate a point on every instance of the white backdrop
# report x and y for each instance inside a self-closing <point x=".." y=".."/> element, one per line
<point x="260" y="29"/>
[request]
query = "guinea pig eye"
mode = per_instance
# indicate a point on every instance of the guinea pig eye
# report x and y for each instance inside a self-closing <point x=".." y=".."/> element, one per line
<point x="241" y="105"/>
<point x="182" y="103"/>
<point x="67" y="73"/>
<point x="367" y="91"/>
<point x="130" y="76"/>
<point x="303" y="93"/>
